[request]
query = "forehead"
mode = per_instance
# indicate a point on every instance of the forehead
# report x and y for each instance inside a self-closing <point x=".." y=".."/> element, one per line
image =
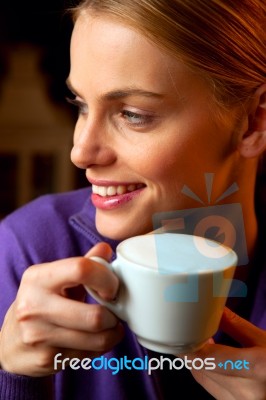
<point x="107" y="55"/>
<point x="102" y="47"/>
<point x="101" y="31"/>
<point x="98" y="39"/>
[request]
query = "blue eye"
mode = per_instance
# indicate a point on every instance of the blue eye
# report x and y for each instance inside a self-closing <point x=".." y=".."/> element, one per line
<point x="135" y="118"/>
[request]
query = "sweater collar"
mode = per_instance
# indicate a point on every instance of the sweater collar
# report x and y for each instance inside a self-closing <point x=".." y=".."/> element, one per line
<point x="84" y="223"/>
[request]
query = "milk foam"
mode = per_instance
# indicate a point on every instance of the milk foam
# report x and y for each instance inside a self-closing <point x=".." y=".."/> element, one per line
<point x="172" y="252"/>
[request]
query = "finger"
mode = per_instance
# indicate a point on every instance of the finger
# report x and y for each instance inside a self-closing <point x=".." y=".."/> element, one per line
<point x="101" y="342"/>
<point x="61" y="275"/>
<point x="241" y="330"/>
<point x="229" y="387"/>
<point x="35" y="331"/>
<point x="227" y="360"/>
<point x="239" y="373"/>
<point x="80" y="316"/>
<point x="49" y="336"/>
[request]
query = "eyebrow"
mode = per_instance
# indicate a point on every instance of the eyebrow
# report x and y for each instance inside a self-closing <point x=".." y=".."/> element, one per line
<point x="121" y="93"/>
<point x="129" y="91"/>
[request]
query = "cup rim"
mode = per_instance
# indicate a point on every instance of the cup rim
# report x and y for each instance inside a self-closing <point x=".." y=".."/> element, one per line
<point x="232" y="262"/>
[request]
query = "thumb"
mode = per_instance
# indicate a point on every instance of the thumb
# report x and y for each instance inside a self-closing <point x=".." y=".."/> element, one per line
<point x="102" y="279"/>
<point x="102" y="250"/>
<point x="241" y="330"/>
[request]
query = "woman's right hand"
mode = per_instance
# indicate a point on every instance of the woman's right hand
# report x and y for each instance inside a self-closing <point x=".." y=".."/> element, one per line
<point x="49" y="315"/>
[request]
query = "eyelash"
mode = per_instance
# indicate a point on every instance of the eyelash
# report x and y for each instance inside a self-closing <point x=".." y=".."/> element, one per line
<point x="126" y="114"/>
<point x="82" y="107"/>
<point x="143" y="119"/>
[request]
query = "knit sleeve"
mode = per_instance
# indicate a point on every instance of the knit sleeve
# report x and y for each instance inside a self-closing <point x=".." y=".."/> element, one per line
<point x="12" y="265"/>
<point x="16" y="387"/>
<point x="14" y="261"/>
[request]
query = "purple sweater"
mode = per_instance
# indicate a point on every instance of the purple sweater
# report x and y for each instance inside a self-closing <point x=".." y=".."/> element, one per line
<point x="60" y="226"/>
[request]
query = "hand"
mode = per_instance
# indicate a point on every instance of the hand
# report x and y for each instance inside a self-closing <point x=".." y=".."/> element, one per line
<point x="49" y="315"/>
<point x="235" y="384"/>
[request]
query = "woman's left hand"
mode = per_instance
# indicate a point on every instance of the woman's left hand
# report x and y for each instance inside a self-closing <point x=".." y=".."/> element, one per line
<point x="244" y="380"/>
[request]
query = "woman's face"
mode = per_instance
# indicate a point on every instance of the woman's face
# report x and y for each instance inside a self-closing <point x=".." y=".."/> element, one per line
<point x="147" y="126"/>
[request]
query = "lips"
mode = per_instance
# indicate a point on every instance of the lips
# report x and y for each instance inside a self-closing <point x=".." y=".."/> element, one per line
<point x="106" y="196"/>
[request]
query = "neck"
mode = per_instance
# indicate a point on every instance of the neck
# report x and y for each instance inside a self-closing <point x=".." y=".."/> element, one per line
<point x="247" y="201"/>
<point x="246" y="198"/>
<point x="244" y="173"/>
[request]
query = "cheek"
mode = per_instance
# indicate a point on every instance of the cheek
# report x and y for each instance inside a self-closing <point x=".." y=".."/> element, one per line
<point x="159" y="163"/>
<point x="178" y="160"/>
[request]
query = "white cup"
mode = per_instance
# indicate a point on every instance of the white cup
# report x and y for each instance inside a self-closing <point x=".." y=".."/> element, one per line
<point x="173" y="288"/>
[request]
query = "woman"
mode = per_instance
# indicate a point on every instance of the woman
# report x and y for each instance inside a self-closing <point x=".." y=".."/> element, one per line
<point x="166" y="92"/>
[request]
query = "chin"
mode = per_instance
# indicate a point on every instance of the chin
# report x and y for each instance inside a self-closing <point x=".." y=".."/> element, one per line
<point x="115" y="231"/>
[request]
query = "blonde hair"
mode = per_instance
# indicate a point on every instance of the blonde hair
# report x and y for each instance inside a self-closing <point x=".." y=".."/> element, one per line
<point x="223" y="40"/>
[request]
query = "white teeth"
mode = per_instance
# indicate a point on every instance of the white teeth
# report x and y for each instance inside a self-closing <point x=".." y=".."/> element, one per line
<point x="114" y="190"/>
<point x="121" y="190"/>
<point x="111" y="191"/>
<point x="102" y="191"/>
<point x="95" y="189"/>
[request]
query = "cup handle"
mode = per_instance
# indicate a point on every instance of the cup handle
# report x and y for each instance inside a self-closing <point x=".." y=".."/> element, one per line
<point x="116" y="305"/>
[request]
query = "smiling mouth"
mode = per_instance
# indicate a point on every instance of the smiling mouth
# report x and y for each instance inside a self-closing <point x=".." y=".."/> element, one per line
<point x="108" y="191"/>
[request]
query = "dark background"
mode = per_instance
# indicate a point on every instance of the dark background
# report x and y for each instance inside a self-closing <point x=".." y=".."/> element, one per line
<point x="46" y="26"/>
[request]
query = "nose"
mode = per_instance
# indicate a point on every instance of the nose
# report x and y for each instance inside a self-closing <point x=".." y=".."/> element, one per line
<point x="91" y="146"/>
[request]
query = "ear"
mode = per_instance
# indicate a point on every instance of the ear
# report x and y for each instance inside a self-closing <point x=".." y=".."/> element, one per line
<point x="253" y="141"/>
